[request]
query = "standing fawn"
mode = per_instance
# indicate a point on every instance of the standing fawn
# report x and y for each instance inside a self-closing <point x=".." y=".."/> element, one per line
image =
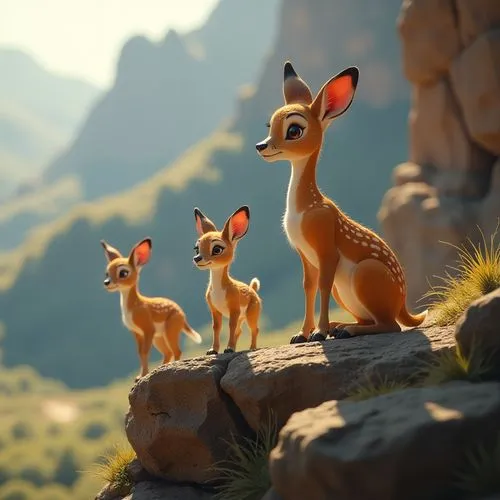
<point x="225" y="296"/>
<point x="339" y="256"/>
<point x="156" y="320"/>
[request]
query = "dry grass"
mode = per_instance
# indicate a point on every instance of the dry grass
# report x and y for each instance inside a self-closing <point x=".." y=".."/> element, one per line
<point x="134" y="206"/>
<point x="375" y="386"/>
<point x="480" y="474"/>
<point x="245" y="475"/>
<point x="114" y="467"/>
<point x="451" y="364"/>
<point x="477" y="273"/>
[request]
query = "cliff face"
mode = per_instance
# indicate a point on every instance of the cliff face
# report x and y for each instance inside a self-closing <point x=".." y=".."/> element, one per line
<point x="451" y="56"/>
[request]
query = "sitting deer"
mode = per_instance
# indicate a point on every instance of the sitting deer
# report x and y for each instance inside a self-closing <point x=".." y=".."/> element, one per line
<point x="225" y="296"/>
<point x="339" y="256"/>
<point x="156" y="320"/>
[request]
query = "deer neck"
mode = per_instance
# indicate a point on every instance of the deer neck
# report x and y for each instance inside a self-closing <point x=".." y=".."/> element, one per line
<point x="303" y="192"/>
<point x="129" y="298"/>
<point x="219" y="278"/>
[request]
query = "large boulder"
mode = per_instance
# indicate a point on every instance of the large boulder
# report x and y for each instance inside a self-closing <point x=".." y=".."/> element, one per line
<point x="405" y="445"/>
<point x="301" y="376"/>
<point x="438" y="138"/>
<point x="478" y="329"/>
<point x="430" y="38"/>
<point x="475" y="76"/>
<point x="178" y="419"/>
<point x="475" y="17"/>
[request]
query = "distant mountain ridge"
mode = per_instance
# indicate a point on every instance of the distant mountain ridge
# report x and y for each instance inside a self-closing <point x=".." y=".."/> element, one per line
<point x="39" y="113"/>
<point x="166" y="97"/>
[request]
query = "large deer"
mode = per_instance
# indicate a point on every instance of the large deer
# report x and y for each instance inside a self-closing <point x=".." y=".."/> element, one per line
<point x="339" y="256"/>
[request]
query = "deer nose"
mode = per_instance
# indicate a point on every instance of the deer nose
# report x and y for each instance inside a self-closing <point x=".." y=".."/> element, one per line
<point x="197" y="258"/>
<point x="261" y="146"/>
<point x="107" y="281"/>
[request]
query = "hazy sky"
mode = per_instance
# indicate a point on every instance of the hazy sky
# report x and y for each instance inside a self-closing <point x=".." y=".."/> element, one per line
<point x="83" y="37"/>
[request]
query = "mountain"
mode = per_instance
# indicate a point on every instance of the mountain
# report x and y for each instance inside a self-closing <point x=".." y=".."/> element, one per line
<point x="39" y="114"/>
<point x="73" y="330"/>
<point x="166" y="97"/>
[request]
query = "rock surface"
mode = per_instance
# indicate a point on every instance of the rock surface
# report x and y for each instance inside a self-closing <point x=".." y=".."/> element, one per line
<point x="181" y="414"/>
<point x="177" y="418"/>
<point x="160" y="491"/>
<point x="428" y="53"/>
<point x="401" y="445"/>
<point x="479" y="327"/>
<point x="451" y="55"/>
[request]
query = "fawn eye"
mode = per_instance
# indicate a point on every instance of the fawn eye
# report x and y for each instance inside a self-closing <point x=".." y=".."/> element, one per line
<point x="217" y="250"/>
<point x="294" y="132"/>
<point x="123" y="273"/>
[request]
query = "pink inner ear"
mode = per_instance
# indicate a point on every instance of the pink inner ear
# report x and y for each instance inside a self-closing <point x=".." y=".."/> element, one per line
<point x="239" y="224"/>
<point x="339" y="94"/>
<point x="199" y="229"/>
<point x="142" y="253"/>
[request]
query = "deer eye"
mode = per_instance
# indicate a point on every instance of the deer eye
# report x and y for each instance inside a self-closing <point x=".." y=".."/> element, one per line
<point x="123" y="273"/>
<point x="217" y="250"/>
<point x="294" y="132"/>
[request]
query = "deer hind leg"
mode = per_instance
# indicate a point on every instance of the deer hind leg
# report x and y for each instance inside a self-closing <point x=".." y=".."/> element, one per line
<point x="161" y="344"/>
<point x="173" y="329"/>
<point x="337" y="325"/>
<point x="252" y="317"/>
<point x="380" y="294"/>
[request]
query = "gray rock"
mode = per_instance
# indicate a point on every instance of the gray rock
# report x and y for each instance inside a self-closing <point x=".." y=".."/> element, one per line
<point x="401" y="445"/>
<point x="151" y="490"/>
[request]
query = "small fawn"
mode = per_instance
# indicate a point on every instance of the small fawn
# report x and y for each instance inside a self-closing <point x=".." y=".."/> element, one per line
<point x="225" y="296"/>
<point x="156" y="320"/>
<point x="339" y="256"/>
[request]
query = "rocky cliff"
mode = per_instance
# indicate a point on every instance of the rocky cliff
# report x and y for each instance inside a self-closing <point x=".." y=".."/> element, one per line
<point x="386" y="416"/>
<point x="451" y="183"/>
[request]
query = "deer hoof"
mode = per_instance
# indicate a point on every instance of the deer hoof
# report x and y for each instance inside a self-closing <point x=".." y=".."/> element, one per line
<point x="343" y="334"/>
<point x="298" y="339"/>
<point x="228" y="350"/>
<point x="211" y="352"/>
<point x="317" y="337"/>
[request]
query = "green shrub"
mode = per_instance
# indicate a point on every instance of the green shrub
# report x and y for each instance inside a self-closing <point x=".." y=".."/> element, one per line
<point x="245" y="474"/>
<point x="17" y="490"/>
<point x="95" y="430"/>
<point x="477" y="273"/>
<point x="66" y="472"/>
<point x="22" y="430"/>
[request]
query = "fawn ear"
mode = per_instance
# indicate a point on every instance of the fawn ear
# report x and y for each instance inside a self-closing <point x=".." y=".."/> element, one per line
<point x="141" y="253"/>
<point x="237" y="225"/>
<point x="295" y="90"/>
<point x="203" y="223"/>
<point x="110" y="252"/>
<point x="336" y="95"/>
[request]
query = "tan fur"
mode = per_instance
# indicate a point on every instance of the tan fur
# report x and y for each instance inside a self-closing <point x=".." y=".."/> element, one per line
<point x="226" y="296"/>
<point x="157" y="321"/>
<point x="339" y="256"/>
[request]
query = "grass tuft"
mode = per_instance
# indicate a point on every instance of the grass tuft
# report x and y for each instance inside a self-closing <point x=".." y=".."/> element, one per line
<point x="245" y="474"/>
<point x="371" y="388"/>
<point x="114" y="467"/>
<point x="480" y="474"/>
<point x="477" y="273"/>
<point x="451" y="364"/>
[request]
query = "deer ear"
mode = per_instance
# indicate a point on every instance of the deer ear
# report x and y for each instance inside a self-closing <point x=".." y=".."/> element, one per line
<point x="141" y="253"/>
<point x="336" y="95"/>
<point x="237" y="225"/>
<point x="110" y="252"/>
<point x="295" y="90"/>
<point x="203" y="223"/>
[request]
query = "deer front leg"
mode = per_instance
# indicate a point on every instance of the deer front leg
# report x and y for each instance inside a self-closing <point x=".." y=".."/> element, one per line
<point x="216" y="327"/>
<point x="144" y="342"/>
<point x="234" y="317"/>
<point x="310" y="284"/>
<point x="327" y="268"/>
